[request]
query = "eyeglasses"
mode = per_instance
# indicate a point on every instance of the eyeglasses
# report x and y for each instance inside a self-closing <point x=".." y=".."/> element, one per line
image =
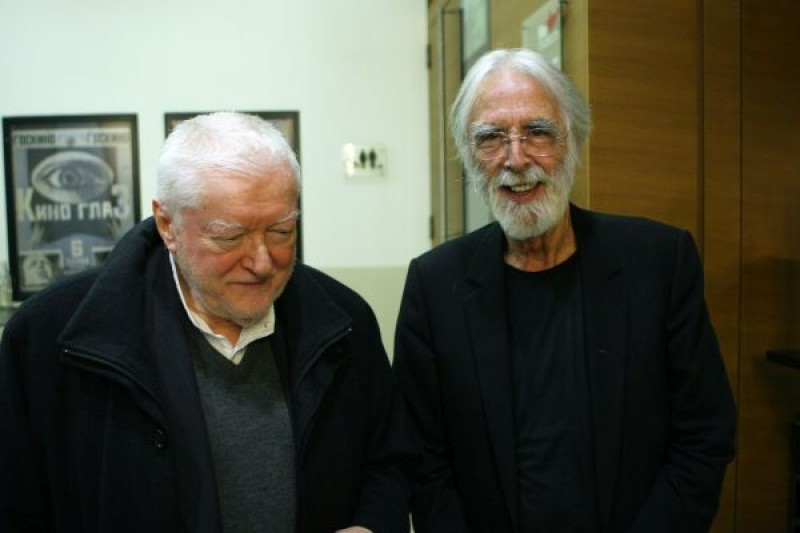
<point x="538" y="141"/>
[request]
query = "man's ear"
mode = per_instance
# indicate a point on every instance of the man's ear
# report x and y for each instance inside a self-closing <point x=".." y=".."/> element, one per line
<point x="165" y="225"/>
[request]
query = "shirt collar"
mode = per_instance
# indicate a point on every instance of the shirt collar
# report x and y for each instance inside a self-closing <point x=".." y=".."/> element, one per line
<point x="235" y="353"/>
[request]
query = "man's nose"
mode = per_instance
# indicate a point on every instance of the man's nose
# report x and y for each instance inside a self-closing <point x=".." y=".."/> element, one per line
<point x="516" y="159"/>
<point x="258" y="258"/>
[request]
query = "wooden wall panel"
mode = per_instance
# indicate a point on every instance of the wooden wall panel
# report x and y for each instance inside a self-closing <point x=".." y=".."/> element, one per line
<point x="722" y="196"/>
<point x="576" y="64"/>
<point x="769" y="394"/>
<point x="444" y="78"/>
<point x="644" y="91"/>
<point x="434" y="121"/>
<point x="452" y="169"/>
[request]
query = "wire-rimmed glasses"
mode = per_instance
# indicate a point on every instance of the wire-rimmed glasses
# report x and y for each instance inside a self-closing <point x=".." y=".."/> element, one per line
<point x="492" y="143"/>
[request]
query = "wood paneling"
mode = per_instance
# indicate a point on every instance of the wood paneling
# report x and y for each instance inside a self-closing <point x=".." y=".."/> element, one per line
<point x="722" y="196"/>
<point x="434" y="121"/>
<point x="644" y="92"/>
<point x="769" y="395"/>
<point x="444" y="77"/>
<point x="575" y="17"/>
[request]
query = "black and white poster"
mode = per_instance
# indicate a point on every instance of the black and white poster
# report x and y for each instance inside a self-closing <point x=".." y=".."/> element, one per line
<point x="71" y="192"/>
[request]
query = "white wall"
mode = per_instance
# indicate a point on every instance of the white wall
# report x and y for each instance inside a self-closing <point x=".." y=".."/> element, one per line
<point x="355" y="71"/>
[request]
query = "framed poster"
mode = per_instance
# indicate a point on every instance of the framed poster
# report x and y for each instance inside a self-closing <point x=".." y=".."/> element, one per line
<point x="72" y="190"/>
<point x="475" y="33"/>
<point x="287" y="122"/>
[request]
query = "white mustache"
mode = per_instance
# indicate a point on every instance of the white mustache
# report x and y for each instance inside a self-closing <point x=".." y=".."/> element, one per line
<point x="532" y="176"/>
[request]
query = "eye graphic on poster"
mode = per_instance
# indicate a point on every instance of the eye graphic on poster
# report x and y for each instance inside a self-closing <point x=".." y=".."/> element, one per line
<point x="71" y="190"/>
<point x="71" y="177"/>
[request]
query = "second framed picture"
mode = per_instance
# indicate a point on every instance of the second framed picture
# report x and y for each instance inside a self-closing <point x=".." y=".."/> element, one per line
<point x="287" y="122"/>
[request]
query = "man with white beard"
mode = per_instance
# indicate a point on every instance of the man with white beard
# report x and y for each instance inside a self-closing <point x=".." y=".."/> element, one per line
<point x="559" y="366"/>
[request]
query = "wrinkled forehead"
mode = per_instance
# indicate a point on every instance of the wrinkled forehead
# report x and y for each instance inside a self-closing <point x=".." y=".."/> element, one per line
<point x="509" y="95"/>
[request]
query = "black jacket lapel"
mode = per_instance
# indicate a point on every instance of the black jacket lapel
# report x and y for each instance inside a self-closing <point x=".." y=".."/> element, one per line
<point x="483" y="298"/>
<point x="308" y="338"/>
<point x="606" y="330"/>
<point x="189" y="438"/>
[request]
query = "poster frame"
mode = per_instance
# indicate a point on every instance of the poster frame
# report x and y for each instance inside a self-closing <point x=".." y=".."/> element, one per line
<point x="72" y="190"/>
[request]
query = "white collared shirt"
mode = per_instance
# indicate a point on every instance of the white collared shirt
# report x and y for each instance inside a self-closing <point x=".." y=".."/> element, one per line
<point x="235" y="353"/>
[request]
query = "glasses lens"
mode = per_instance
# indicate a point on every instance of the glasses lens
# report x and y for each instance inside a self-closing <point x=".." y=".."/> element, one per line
<point x="493" y="145"/>
<point x="541" y="145"/>
<point x="490" y="145"/>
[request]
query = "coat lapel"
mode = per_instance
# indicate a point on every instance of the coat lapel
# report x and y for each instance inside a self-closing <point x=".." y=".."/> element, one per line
<point x="188" y="436"/>
<point x="484" y="305"/>
<point x="307" y="338"/>
<point x="606" y="334"/>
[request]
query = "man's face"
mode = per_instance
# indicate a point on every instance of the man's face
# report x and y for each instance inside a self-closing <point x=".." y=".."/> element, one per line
<point x="528" y="194"/>
<point x="235" y="252"/>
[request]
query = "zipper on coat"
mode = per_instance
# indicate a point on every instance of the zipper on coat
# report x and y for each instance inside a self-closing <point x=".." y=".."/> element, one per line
<point x="306" y="430"/>
<point x="118" y="374"/>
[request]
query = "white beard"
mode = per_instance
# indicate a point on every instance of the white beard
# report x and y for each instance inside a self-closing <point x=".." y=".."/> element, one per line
<point x="535" y="218"/>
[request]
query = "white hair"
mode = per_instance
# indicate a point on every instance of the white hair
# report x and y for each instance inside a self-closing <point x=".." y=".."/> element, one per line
<point x="205" y="145"/>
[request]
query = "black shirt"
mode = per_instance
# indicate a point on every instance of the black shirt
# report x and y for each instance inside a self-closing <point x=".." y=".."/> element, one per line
<point x="554" y="452"/>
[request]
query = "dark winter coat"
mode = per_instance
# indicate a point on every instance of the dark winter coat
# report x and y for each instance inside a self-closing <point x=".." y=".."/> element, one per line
<point x="101" y="424"/>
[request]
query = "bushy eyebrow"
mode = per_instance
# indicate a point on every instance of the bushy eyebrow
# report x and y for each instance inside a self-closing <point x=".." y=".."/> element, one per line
<point x="223" y="226"/>
<point x="479" y="128"/>
<point x="290" y="216"/>
<point x="543" y="123"/>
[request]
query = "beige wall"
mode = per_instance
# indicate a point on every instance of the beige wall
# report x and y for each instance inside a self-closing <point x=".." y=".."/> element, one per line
<point x="382" y="287"/>
<point x="354" y="77"/>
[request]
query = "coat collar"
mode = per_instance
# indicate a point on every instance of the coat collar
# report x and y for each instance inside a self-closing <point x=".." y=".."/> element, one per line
<point x="134" y="293"/>
<point x="309" y="326"/>
<point x="605" y="322"/>
<point x="108" y="323"/>
<point x="310" y="320"/>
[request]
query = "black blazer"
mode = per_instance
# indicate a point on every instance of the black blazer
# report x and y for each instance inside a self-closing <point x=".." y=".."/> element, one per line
<point x="662" y="412"/>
